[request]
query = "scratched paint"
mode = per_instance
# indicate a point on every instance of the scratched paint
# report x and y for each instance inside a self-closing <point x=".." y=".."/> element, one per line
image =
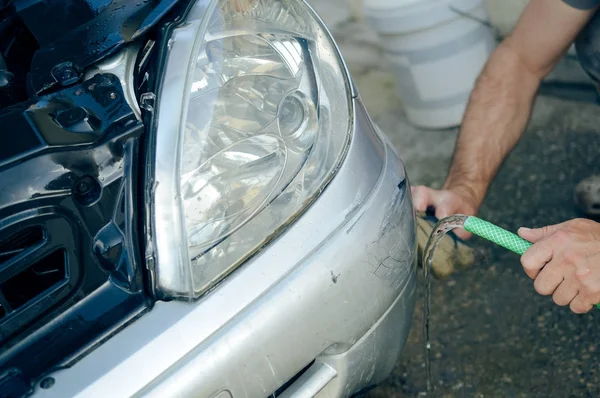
<point x="391" y="255"/>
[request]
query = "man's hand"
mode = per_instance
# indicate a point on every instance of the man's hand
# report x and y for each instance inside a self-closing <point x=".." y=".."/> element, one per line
<point x="565" y="262"/>
<point x="446" y="202"/>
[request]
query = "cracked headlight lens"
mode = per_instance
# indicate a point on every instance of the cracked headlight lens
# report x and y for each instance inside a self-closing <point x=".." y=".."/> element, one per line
<point x="253" y="119"/>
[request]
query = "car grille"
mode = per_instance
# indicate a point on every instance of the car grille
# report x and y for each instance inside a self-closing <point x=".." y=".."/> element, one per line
<point x="19" y="287"/>
<point x="37" y="269"/>
<point x="20" y="242"/>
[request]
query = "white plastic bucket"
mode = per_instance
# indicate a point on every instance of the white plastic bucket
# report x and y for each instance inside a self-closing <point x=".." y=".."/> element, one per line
<point x="436" y="53"/>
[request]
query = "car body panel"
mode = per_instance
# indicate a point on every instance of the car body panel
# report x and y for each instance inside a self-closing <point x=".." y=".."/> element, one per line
<point x="313" y="294"/>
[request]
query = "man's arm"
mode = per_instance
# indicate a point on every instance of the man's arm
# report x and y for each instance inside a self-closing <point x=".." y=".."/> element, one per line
<point x="501" y="102"/>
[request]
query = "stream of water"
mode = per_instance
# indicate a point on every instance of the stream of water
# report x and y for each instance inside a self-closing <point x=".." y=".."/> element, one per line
<point x="442" y="227"/>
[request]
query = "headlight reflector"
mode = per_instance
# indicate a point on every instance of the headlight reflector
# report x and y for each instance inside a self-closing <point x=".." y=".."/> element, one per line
<point x="252" y="121"/>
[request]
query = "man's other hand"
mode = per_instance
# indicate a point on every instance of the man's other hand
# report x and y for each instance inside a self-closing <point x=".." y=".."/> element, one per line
<point x="564" y="261"/>
<point x="446" y="203"/>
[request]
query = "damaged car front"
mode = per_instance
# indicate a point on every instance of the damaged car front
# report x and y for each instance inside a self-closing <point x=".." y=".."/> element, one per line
<point x="228" y="220"/>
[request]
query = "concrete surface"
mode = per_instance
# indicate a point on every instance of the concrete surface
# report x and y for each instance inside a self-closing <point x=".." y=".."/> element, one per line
<point x="503" y="13"/>
<point x="492" y="335"/>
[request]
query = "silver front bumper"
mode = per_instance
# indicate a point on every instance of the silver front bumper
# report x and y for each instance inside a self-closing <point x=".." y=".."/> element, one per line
<point x="336" y="290"/>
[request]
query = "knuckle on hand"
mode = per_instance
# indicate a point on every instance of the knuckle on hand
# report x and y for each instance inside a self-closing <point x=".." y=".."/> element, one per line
<point x="542" y="286"/>
<point x="527" y="262"/>
<point x="532" y="274"/>
<point x="580" y="305"/>
<point x="561" y="299"/>
<point x="579" y="223"/>
<point x="571" y="257"/>
<point x="588" y="281"/>
<point x="561" y="236"/>
<point x="590" y="289"/>
<point x="419" y="199"/>
<point x="578" y="308"/>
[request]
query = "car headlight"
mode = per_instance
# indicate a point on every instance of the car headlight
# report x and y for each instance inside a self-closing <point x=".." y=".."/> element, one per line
<point x="253" y="119"/>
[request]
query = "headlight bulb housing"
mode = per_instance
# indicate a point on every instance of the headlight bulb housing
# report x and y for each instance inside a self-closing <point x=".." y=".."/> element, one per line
<point x="253" y="118"/>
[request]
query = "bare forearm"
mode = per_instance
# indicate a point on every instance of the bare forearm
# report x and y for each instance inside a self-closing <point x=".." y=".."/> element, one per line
<point x="501" y="103"/>
<point x="498" y="111"/>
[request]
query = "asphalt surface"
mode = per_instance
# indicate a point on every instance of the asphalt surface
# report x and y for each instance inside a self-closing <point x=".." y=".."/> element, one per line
<point x="492" y="335"/>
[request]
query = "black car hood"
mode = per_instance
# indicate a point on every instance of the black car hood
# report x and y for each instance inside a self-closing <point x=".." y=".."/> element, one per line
<point x="74" y="34"/>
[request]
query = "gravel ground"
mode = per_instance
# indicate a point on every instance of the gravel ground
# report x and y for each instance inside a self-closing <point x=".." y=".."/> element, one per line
<point x="492" y="335"/>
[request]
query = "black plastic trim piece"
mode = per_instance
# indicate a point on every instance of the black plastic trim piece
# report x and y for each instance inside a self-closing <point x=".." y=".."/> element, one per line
<point x="71" y="189"/>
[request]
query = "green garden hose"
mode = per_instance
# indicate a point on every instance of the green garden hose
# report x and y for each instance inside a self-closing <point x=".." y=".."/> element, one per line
<point x="498" y="235"/>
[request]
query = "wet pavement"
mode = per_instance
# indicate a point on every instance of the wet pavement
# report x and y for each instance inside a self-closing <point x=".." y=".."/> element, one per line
<point x="492" y="335"/>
